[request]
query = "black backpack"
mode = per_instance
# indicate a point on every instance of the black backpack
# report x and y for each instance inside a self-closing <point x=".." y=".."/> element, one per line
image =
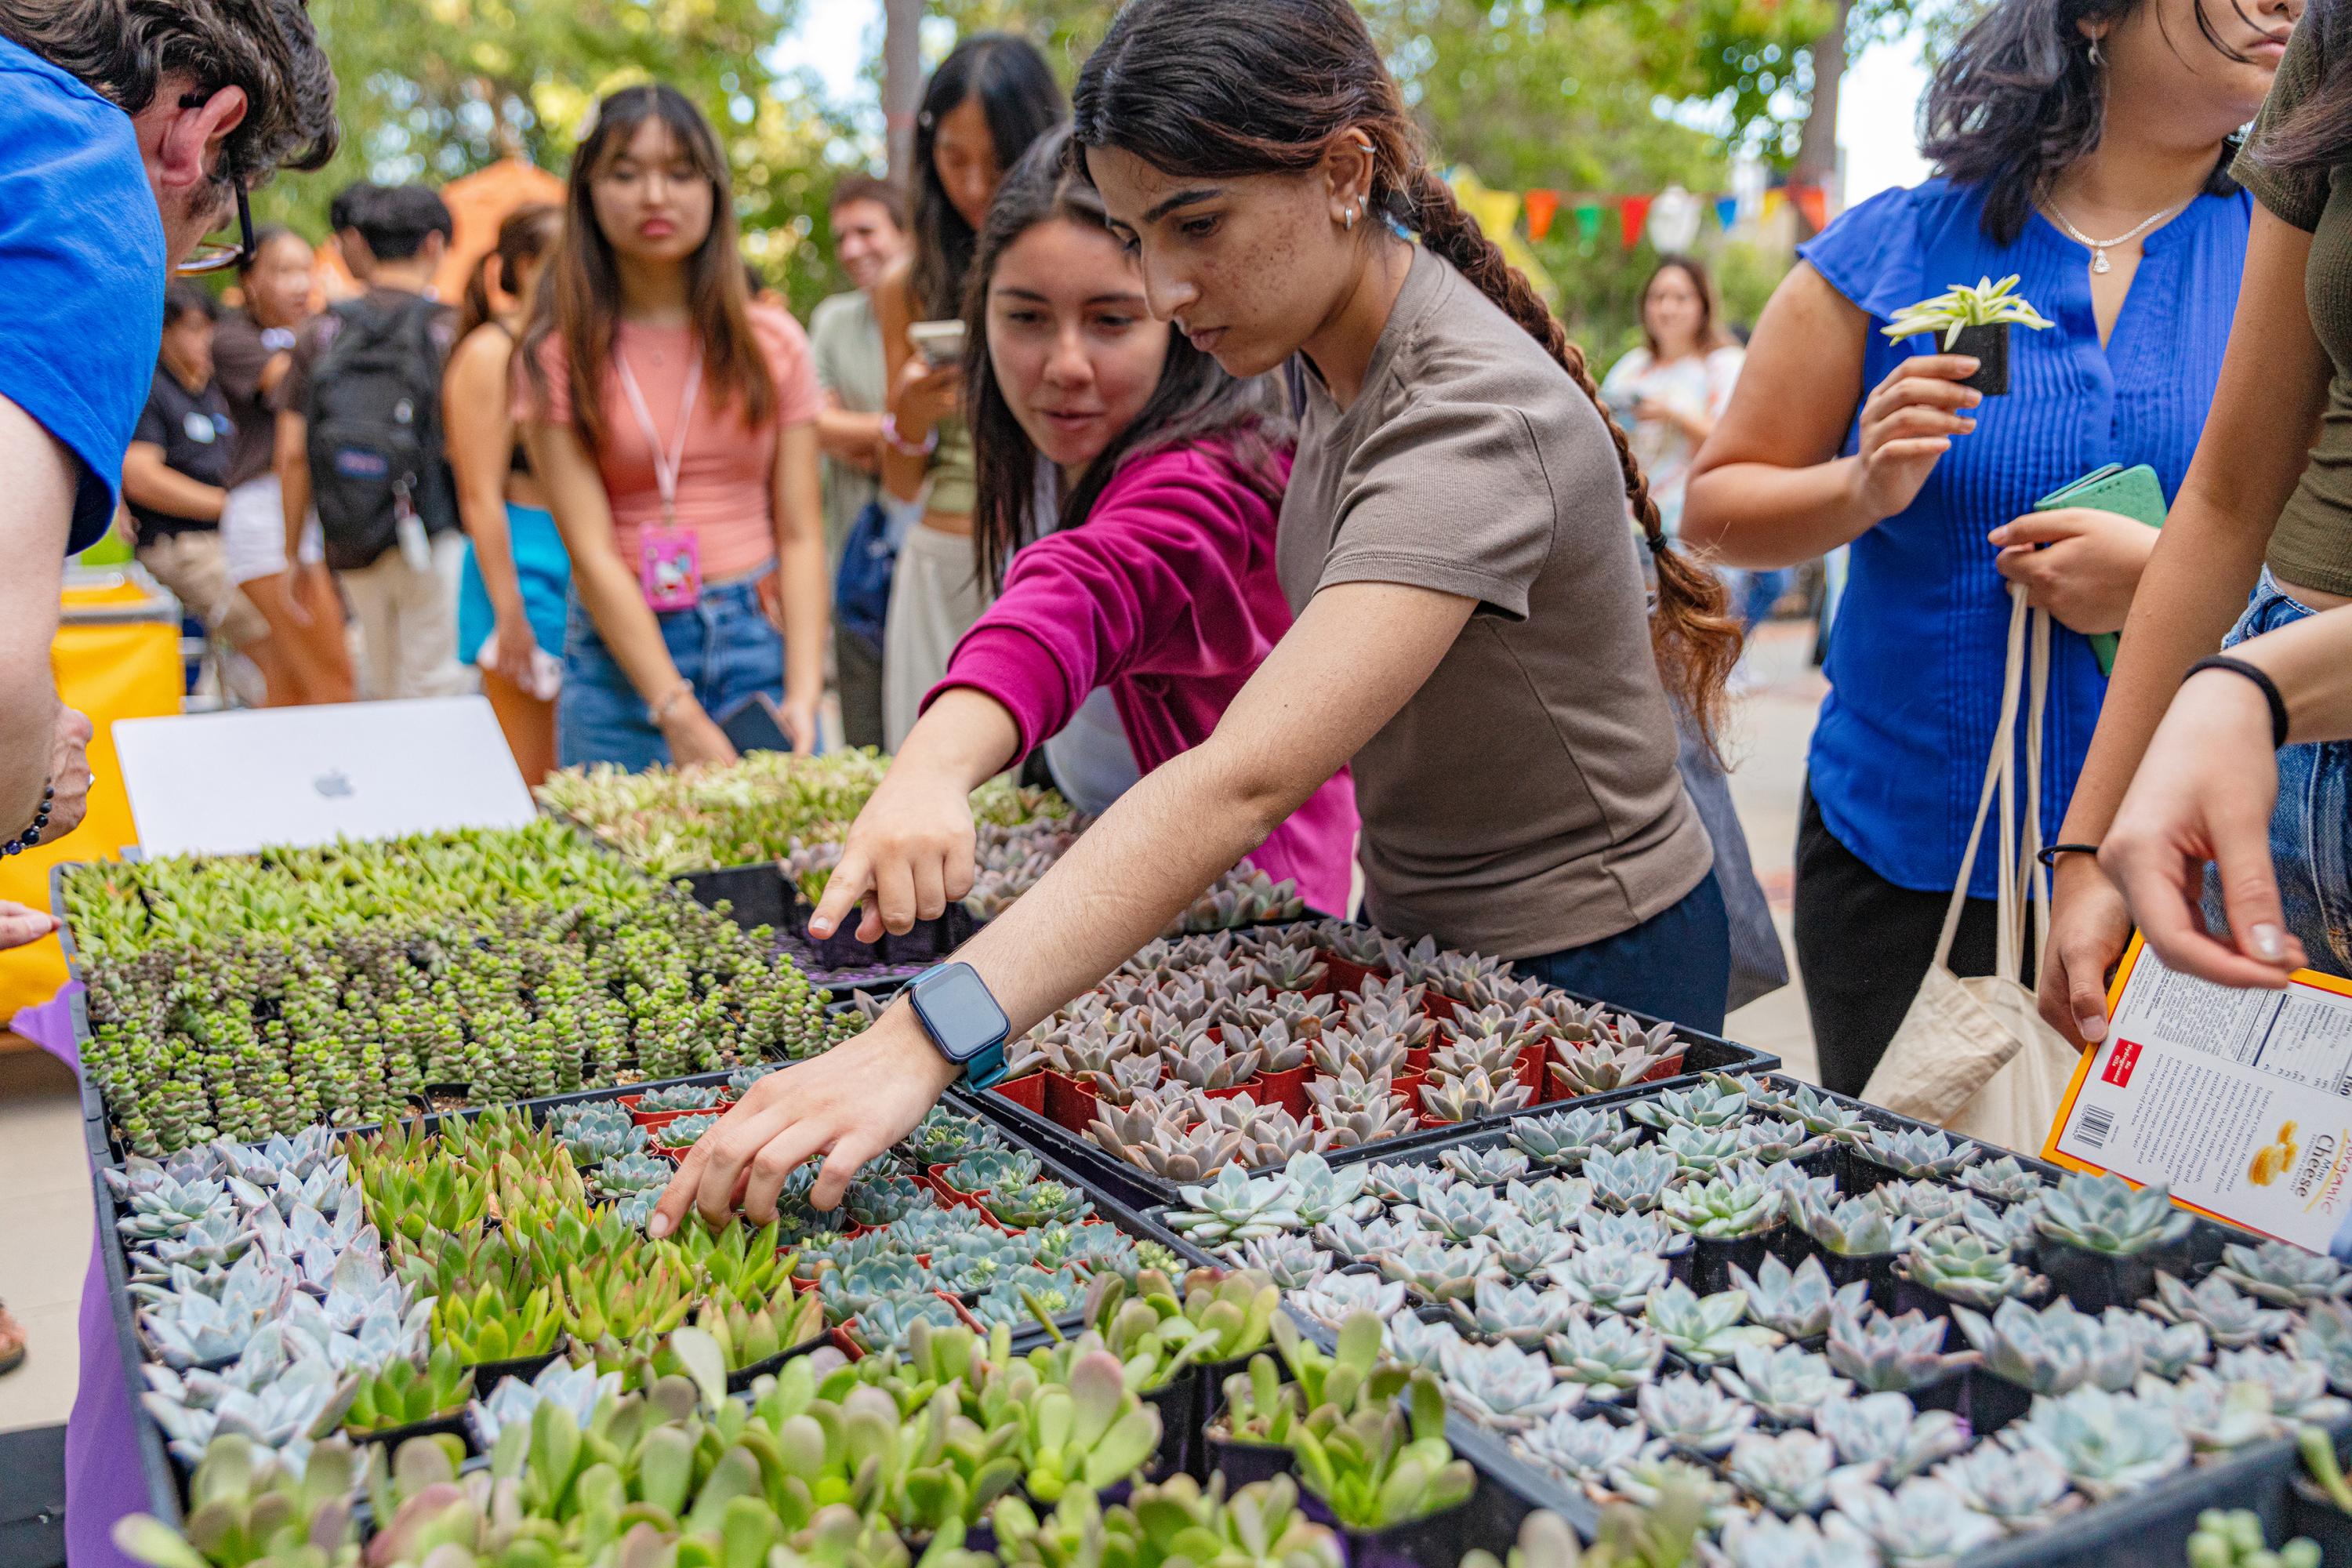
<point x="374" y="409"/>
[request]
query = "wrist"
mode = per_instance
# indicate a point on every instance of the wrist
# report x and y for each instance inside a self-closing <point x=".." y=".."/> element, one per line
<point x="675" y="707"/>
<point x="2256" y="690"/>
<point x="899" y="1036"/>
<point x="906" y="443"/>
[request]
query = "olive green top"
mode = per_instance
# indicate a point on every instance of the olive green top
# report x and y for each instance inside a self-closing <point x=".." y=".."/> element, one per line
<point x="2312" y="546"/>
<point x="955" y="484"/>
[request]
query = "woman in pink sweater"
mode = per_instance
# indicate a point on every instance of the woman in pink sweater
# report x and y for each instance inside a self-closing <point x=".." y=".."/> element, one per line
<point x="1128" y="494"/>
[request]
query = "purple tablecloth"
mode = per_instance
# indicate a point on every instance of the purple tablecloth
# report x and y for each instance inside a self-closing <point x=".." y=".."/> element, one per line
<point x="103" y="1477"/>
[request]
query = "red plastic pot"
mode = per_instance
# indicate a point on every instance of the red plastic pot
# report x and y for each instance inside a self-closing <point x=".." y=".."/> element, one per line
<point x="1068" y="1103"/>
<point x="1028" y="1091"/>
<point x="1286" y="1088"/>
<point x="1534" y="1072"/>
<point x="1346" y="974"/>
<point x="1407" y="1088"/>
<point x="950" y="1194"/>
<point x="1416" y="1059"/>
<point x="1671" y="1068"/>
<point x="1246" y="1090"/>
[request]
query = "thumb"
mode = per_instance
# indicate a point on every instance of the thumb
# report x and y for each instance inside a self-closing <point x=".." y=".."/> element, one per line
<point x="19" y="925"/>
<point x="2250" y="894"/>
<point x="2087" y="997"/>
<point x="851" y="880"/>
<point x="2033" y="528"/>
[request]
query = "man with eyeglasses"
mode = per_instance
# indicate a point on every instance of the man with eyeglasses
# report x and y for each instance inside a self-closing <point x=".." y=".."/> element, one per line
<point x="133" y="128"/>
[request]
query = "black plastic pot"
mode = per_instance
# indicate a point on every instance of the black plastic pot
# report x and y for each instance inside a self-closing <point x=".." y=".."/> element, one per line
<point x="755" y="895"/>
<point x="455" y="1424"/>
<point x="744" y="1377"/>
<point x="1949" y="1392"/>
<point x="488" y="1374"/>
<point x="1988" y="345"/>
<point x="1711" y="1259"/>
<point x="2094" y="1281"/>
<point x="1175" y="1403"/>
<point x="1435" y="1541"/>
<point x="1993" y="1402"/>
<point x="1241" y="1463"/>
<point x="1876" y="1270"/>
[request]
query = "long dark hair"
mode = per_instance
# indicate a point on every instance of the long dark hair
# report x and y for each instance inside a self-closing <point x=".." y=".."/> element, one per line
<point x="1195" y="397"/>
<point x="1021" y="101"/>
<point x="1711" y="334"/>
<point x="2019" y="99"/>
<point x="530" y="232"/>
<point x="2318" y="132"/>
<point x="1235" y="88"/>
<point x="584" y="305"/>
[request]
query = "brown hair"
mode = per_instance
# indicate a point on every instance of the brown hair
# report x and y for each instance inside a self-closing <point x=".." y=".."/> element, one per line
<point x="1252" y="87"/>
<point x="1241" y="426"/>
<point x="2317" y="133"/>
<point x="584" y="305"/>
<point x="867" y="189"/>
<point x="1711" y="334"/>
<point x="528" y="233"/>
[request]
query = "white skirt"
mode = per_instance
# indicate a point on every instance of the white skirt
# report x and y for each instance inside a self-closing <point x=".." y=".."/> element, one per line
<point x="253" y="531"/>
<point x="935" y="595"/>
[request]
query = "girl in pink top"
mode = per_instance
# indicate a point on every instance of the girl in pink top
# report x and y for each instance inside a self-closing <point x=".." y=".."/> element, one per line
<point x="674" y="425"/>
<point x="1154" y="579"/>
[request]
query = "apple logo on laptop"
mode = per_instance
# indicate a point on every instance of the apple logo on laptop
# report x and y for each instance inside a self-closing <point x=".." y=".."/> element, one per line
<point x="332" y="784"/>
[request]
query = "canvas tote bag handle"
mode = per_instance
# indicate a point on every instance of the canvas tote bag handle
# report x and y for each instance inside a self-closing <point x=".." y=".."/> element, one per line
<point x="2001" y="778"/>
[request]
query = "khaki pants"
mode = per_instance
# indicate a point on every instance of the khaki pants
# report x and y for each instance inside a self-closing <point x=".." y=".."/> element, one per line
<point x="195" y="567"/>
<point x="408" y="622"/>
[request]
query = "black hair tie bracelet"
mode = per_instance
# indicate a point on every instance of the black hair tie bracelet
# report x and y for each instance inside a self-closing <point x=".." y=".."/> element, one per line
<point x="2048" y="855"/>
<point x="2255" y="674"/>
<point x="32" y="835"/>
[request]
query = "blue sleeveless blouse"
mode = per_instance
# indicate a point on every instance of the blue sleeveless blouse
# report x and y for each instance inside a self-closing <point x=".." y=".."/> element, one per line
<point x="1917" y="650"/>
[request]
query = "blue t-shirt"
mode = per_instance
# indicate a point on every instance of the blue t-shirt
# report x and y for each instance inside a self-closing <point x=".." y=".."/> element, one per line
<point x="81" y="268"/>
<point x="1920" y="643"/>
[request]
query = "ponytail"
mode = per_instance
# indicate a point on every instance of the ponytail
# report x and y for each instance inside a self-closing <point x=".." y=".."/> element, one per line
<point x="1693" y="637"/>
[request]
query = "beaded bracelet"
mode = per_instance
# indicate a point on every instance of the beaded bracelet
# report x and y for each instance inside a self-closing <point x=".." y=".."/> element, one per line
<point x="32" y="835"/>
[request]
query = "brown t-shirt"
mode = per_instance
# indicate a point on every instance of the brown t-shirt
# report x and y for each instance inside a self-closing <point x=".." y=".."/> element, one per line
<point x="239" y="356"/>
<point x="2312" y="545"/>
<point x="1525" y="799"/>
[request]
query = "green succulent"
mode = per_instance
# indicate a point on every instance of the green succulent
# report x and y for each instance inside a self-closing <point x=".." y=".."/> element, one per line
<point x="403" y="1393"/>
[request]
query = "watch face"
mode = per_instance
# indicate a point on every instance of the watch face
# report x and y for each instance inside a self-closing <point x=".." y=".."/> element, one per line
<point x="964" y="1017"/>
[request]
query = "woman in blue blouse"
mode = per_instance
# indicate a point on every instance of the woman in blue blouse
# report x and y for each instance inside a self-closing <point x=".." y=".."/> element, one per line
<point x="2085" y="146"/>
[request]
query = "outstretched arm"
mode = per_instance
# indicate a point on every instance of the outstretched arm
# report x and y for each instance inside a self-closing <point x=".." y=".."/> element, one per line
<point x="1354" y="657"/>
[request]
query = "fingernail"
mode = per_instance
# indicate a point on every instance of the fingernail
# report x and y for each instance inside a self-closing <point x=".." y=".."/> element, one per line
<point x="2092" y="1028"/>
<point x="2270" y="942"/>
<point x="821" y="927"/>
<point x="658" y="1226"/>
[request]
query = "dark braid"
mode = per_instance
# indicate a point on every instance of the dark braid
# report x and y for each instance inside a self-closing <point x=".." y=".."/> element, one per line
<point x="1696" y="641"/>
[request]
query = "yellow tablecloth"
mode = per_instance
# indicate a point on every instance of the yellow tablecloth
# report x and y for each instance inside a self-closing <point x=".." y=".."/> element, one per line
<point x="116" y="655"/>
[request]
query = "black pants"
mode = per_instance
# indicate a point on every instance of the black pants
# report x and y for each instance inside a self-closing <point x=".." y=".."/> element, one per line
<point x="1864" y="946"/>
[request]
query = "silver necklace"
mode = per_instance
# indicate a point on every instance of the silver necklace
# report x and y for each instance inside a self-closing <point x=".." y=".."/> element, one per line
<point x="2099" y="262"/>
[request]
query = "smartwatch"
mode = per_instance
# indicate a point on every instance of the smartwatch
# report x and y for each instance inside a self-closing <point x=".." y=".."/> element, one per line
<point x="963" y="1018"/>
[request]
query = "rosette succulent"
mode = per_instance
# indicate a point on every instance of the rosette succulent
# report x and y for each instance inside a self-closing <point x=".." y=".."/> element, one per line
<point x="1609" y="1355"/>
<point x="1610" y="1278"/>
<point x="2002" y="1180"/>
<point x="1885" y="1434"/>
<point x="1788" y="1383"/>
<point x="1919" y="1522"/>
<point x="2019" y="1489"/>
<point x="2109" y="1444"/>
<point x="2108" y="1216"/>
<point x="1469" y="1095"/>
<point x="1703" y="1329"/>
<point x="1961" y="1266"/>
<point x="1711" y="1104"/>
<point x="1826" y="1118"/>
<point x="2283" y="1274"/>
<point x="1788" y="1473"/>
<point x="1857" y="1227"/>
<point x="1722" y="1209"/>
<point x="1586" y="1448"/>
<point x="1332" y="1299"/>
<point x="1561" y="1138"/>
<point x="1237" y="1206"/>
<point x="1696" y="1418"/>
<point x="1927" y="1202"/>
<point x="1521" y="1314"/>
<point x="1459" y="1213"/>
<point x="2228" y="1318"/>
<point x="1890" y="1355"/>
<point x="1635" y="1180"/>
<point x="1435" y="1272"/>
<point x="2166" y="1349"/>
<point x="1642" y="1232"/>
<point x="2325" y="1339"/>
<point x="679" y="1097"/>
<point x="1292" y="1262"/>
<point x="1484" y="1167"/>
<point x="1526" y="1251"/>
<point x="2053" y="1350"/>
<point x="1504" y="1386"/>
<point x="1921" y="1153"/>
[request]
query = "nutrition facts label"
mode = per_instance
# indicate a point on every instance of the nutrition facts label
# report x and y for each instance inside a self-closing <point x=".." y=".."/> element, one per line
<point x="2237" y="1099"/>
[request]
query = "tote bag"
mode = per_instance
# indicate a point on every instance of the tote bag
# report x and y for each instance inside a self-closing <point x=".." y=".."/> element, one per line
<point x="1973" y="1055"/>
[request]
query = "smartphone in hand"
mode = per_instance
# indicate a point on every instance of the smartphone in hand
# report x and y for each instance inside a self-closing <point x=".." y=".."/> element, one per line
<point x="940" y="343"/>
<point x="756" y="724"/>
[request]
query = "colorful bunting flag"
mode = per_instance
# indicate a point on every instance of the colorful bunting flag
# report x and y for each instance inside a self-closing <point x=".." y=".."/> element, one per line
<point x="1542" y="206"/>
<point x="1588" y="222"/>
<point x="1632" y="212"/>
<point x="1774" y="200"/>
<point x="1813" y="204"/>
<point x="1727" y="212"/>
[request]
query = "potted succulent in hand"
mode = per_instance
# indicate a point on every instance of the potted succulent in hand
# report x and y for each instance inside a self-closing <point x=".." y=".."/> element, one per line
<point x="1973" y="321"/>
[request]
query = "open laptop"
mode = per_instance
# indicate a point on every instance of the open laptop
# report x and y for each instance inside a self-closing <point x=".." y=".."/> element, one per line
<point x="234" y="783"/>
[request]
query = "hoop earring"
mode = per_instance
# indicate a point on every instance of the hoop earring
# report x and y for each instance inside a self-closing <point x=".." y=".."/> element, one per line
<point x="1350" y="224"/>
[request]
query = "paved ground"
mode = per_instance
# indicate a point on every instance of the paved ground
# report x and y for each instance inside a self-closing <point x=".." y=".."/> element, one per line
<point x="45" y="1207"/>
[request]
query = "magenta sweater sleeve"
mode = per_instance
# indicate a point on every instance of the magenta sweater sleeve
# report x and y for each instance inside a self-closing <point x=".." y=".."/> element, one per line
<point x="1161" y="580"/>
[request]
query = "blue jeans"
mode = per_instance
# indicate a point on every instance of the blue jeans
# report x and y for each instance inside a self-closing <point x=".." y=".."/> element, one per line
<point x="2311" y="828"/>
<point x="1677" y="964"/>
<point x="724" y="645"/>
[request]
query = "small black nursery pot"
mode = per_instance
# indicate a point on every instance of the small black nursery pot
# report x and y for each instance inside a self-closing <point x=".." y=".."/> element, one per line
<point x="1988" y="345"/>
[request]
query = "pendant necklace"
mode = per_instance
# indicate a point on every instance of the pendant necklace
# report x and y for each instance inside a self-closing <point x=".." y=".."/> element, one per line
<point x="2099" y="262"/>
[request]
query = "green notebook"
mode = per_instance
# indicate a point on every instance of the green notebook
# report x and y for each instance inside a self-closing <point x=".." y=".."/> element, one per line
<point x="2133" y="492"/>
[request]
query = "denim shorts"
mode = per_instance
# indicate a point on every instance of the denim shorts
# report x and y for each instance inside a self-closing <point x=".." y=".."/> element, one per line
<point x="724" y="645"/>
<point x="2311" y="829"/>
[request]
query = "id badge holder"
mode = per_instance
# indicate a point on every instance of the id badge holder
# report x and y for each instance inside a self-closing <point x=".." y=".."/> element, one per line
<point x="669" y="567"/>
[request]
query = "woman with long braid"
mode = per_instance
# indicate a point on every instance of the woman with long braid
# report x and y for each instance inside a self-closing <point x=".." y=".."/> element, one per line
<point x="1471" y="633"/>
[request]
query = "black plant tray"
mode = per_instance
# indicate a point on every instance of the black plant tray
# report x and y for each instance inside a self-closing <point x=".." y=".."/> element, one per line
<point x="1106" y="1172"/>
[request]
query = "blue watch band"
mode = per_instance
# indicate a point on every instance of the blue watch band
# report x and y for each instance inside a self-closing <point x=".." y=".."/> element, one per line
<point x="963" y="1020"/>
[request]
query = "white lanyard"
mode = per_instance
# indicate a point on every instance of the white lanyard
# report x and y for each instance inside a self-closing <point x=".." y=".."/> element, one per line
<point x="666" y="463"/>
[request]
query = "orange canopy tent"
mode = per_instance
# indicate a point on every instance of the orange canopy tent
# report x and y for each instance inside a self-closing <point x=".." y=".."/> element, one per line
<point x="478" y="203"/>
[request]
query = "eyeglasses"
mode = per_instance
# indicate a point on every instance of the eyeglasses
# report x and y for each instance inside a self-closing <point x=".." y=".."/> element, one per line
<point x="219" y="255"/>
